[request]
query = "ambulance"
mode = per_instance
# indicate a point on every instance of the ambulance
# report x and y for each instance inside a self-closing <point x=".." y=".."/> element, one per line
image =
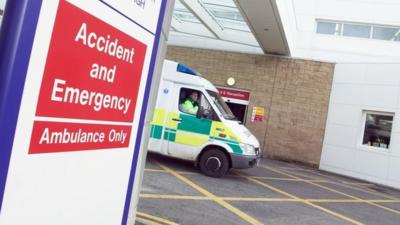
<point x="211" y="137"/>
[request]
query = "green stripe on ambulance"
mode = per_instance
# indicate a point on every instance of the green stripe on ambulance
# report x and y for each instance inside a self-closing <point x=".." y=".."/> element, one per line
<point x="191" y="130"/>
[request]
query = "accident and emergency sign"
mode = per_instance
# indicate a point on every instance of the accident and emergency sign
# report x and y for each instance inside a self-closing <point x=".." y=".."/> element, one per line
<point x="92" y="72"/>
<point x="87" y="67"/>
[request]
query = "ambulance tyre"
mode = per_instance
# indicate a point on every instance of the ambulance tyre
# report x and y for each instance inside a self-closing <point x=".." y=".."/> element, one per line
<point x="214" y="163"/>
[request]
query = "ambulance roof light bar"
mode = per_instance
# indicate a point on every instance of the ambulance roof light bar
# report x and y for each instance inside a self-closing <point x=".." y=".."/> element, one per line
<point x="185" y="69"/>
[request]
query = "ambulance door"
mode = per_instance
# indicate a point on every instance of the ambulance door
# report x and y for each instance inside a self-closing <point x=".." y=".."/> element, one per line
<point x="160" y="125"/>
<point x="189" y="131"/>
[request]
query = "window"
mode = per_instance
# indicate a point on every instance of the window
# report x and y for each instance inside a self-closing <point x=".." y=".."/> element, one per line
<point x="371" y="31"/>
<point x="195" y="103"/>
<point x="377" y="129"/>
<point x="328" y="28"/>
<point x="353" y="30"/>
<point x="386" y="33"/>
<point x="221" y="105"/>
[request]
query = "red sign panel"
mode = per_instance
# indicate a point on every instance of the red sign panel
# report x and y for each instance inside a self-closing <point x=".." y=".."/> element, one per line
<point x="235" y="94"/>
<point x="50" y="137"/>
<point x="92" y="72"/>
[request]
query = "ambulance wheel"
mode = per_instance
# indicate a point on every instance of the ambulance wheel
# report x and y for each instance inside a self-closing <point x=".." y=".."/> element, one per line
<point x="214" y="163"/>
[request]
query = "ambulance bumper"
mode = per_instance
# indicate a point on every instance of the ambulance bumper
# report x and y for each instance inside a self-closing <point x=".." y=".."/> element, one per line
<point x="244" y="161"/>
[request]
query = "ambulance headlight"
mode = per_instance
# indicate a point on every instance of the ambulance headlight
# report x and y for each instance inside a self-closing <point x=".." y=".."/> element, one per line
<point x="248" y="149"/>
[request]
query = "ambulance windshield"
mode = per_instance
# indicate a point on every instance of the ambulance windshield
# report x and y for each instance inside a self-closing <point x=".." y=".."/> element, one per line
<point x="221" y="105"/>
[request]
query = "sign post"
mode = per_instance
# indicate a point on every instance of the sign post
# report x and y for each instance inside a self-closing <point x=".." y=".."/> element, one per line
<point x="76" y="81"/>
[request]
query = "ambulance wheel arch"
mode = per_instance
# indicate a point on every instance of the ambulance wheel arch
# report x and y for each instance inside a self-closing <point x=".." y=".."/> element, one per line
<point x="214" y="154"/>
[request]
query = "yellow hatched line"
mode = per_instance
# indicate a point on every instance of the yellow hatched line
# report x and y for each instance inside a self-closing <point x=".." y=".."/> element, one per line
<point x="294" y="168"/>
<point x="306" y="202"/>
<point x="257" y="199"/>
<point x="343" y="184"/>
<point x="285" y="179"/>
<point x="208" y="194"/>
<point x="163" y="171"/>
<point x="357" y="183"/>
<point x="308" y="176"/>
<point x="244" y="199"/>
<point x="155" y="170"/>
<point x="256" y="177"/>
<point x="146" y="221"/>
<point x="333" y="190"/>
<point x="155" y="218"/>
<point x="177" y="197"/>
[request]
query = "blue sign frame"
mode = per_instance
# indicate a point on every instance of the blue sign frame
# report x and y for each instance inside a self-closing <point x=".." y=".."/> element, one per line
<point x="16" y="41"/>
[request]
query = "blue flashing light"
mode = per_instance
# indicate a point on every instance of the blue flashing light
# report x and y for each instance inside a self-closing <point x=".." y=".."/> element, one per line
<point x="185" y="69"/>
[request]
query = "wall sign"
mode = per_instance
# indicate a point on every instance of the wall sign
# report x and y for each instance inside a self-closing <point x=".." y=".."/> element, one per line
<point x="258" y="114"/>
<point x="84" y="73"/>
<point x="234" y="95"/>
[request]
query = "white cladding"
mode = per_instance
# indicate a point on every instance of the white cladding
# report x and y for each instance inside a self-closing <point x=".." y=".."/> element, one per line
<point x="356" y="88"/>
<point x="299" y="20"/>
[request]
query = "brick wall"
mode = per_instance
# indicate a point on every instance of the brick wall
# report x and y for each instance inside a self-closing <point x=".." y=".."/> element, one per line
<point x="295" y="94"/>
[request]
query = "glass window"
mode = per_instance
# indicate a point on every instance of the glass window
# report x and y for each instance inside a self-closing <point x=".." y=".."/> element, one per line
<point x="328" y="28"/>
<point x="377" y="130"/>
<point x="353" y="30"/>
<point x="386" y="33"/>
<point x="194" y="102"/>
<point x="222" y="106"/>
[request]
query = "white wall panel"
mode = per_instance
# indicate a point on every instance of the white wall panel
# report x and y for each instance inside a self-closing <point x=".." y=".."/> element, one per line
<point x="347" y="115"/>
<point x="339" y="135"/>
<point x="394" y="169"/>
<point x="395" y="144"/>
<point x="350" y="73"/>
<point x="371" y="163"/>
<point x="310" y="45"/>
<point x="333" y="156"/>
<point x="347" y="93"/>
<point x="356" y="88"/>
<point x="377" y="74"/>
<point x="382" y="96"/>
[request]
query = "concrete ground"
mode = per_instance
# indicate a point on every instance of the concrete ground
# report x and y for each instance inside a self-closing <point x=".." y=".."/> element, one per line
<point x="175" y="192"/>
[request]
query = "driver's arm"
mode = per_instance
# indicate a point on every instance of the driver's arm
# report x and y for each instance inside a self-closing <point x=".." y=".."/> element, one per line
<point x="189" y="108"/>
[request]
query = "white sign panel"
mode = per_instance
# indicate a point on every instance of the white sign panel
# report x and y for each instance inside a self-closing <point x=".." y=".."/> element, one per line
<point x="74" y="145"/>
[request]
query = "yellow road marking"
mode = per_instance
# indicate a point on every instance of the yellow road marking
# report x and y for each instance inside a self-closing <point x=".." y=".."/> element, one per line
<point x="343" y="184"/>
<point x="284" y="179"/>
<point x="350" y="201"/>
<point x="332" y="190"/>
<point x="146" y="221"/>
<point x="155" y="218"/>
<point x="163" y="171"/>
<point x="256" y="177"/>
<point x="307" y="202"/>
<point x="178" y="197"/>
<point x="208" y="194"/>
<point x="244" y="199"/>
<point x="357" y="183"/>
<point x="155" y="170"/>
<point x="295" y="168"/>
<point x="257" y="199"/>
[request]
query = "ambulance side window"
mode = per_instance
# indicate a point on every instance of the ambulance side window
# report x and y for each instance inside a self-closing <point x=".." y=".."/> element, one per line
<point x="191" y="101"/>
